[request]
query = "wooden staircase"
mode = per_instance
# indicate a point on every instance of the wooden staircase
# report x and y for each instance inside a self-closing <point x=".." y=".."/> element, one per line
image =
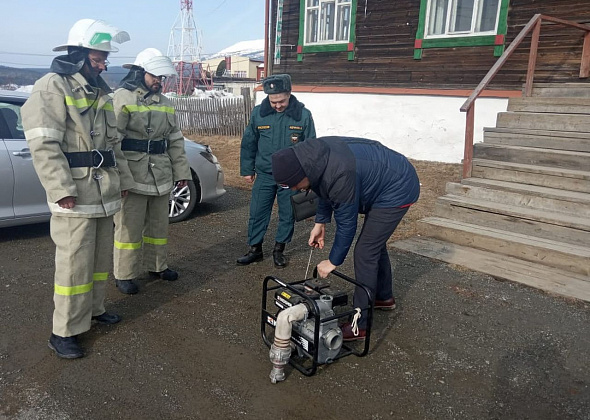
<point x="524" y="215"/>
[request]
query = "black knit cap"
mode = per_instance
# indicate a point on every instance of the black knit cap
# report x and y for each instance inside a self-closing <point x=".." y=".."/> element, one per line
<point x="286" y="168"/>
<point x="277" y="83"/>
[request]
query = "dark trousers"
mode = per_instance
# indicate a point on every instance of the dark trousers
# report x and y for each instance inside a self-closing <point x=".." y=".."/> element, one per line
<point x="372" y="267"/>
<point x="264" y="191"/>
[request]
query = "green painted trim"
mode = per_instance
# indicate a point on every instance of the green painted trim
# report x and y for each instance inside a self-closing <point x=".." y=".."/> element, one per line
<point x="322" y="48"/>
<point x="422" y="20"/>
<point x="325" y="48"/>
<point x="503" y="18"/>
<point x="418" y="54"/>
<point x="301" y="23"/>
<point x="352" y="36"/>
<point x="466" y="41"/>
<point x="498" y="50"/>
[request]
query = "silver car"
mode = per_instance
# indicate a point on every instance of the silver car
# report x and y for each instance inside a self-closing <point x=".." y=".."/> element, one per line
<point x="23" y="200"/>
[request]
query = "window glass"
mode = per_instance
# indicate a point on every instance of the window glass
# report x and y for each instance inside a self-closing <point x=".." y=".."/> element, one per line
<point x="487" y="17"/>
<point x="312" y="26"/>
<point x="438" y="17"/>
<point x="461" y="17"/>
<point x="343" y="24"/>
<point x="327" y="21"/>
<point x="11" y="125"/>
<point x="463" y="13"/>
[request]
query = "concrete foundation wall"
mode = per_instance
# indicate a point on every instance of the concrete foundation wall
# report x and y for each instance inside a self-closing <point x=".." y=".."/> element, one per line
<point x="421" y="127"/>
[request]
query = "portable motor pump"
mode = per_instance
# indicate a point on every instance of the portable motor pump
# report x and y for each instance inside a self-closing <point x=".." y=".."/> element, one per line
<point x="307" y="321"/>
<point x="330" y="335"/>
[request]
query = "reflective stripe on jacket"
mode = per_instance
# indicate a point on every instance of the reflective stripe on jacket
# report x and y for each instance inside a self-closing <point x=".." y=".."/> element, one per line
<point x="151" y="116"/>
<point x="65" y="114"/>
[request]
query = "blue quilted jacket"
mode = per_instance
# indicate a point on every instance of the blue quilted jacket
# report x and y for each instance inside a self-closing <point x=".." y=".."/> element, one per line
<point x="352" y="176"/>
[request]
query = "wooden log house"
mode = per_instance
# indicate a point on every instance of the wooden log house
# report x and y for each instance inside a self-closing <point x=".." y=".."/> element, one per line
<point x="399" y="71"/>
<point x="390" y="43"/>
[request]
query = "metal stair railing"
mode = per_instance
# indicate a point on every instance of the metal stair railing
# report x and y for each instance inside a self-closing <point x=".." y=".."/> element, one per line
<point x="534" y="26"/>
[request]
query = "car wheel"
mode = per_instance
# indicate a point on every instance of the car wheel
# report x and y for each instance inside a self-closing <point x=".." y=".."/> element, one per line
<point x="182" y="202"/>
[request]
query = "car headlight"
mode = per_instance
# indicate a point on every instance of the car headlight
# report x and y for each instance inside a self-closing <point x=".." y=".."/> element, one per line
<point x="208" y="155"/>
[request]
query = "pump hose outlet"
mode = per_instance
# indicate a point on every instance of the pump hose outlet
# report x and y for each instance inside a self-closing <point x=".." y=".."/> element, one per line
<point x="279" y="357"/>
<point x="280" y="350"/>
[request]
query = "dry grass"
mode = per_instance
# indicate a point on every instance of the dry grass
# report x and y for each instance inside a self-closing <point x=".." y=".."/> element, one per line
<point x="433" y="179"/>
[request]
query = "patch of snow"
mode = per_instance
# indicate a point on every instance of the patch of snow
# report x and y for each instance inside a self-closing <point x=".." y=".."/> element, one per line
<point x="27" y="89"/>
<point x="206" y="94"/>
<point x="252" y="49"/>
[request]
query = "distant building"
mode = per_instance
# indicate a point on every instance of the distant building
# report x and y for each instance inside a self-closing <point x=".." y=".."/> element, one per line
<point x="234" y="66"/>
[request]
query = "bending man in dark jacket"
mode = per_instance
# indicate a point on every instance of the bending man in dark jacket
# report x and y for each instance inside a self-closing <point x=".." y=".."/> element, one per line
<point x="352" y="176"/>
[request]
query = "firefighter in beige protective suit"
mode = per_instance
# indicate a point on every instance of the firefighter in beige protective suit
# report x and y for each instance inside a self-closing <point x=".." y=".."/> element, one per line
<point x="154" y="147"/>
<point x="71" y="131"/>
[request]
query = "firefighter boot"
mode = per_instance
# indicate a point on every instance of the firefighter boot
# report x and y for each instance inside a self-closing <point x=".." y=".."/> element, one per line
<point x="65" y="347"/>
<point x="126" y="286"/>
<point x="253" y="255"/>
<point x="277" y="255"/>
<point x="168" y="274"/>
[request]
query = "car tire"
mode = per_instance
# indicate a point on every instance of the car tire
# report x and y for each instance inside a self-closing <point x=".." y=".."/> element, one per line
<point x="183" y="201"/>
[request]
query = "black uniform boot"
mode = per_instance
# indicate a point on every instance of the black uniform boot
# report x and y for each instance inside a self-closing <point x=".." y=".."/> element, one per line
<point x="65" y="347"/>
<point x="167" y="274"/>
<point x="126" y="286"/>
<point x="253" y="255"/>
<point x="277" y="255"/>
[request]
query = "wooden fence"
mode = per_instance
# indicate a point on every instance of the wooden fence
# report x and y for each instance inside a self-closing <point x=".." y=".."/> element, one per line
<point x="225" y="116"/>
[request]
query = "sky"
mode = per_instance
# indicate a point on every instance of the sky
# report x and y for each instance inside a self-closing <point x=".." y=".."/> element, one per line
<point x="31" y="28"/>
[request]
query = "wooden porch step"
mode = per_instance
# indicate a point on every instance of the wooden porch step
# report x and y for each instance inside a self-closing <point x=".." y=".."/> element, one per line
<point x="544" y="176"/>
<point x="567" y="257"/>
<point x="523" y="195"/>
<point x="548" y="139"/>
<point x="561" y="227"/>
<point x="503" y="267"/>
<point x="544" y="121"/>
<point x="533" y="155"/>
<point x="560" y="90"/>
<point x="550" y="105"/>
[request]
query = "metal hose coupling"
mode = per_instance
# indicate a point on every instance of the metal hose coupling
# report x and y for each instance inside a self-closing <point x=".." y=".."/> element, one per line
<point x="279" y="357"/>
<point x="280" y="350"/>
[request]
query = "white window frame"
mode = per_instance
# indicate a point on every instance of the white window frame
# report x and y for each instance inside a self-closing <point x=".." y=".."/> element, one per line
<point x="451" y="17"/>
<point x="339" y="6"/>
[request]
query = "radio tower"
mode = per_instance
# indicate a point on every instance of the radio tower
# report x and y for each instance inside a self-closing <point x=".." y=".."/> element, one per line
<point x="184" y="49"/>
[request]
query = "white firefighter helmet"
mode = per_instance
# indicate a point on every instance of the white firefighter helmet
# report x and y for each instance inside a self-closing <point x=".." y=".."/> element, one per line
<point x="95" y="35"/>
<point x="153" y="62"/>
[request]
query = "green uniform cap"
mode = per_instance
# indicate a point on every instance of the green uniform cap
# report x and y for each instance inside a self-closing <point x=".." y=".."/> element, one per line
<point x="277" y="83"/>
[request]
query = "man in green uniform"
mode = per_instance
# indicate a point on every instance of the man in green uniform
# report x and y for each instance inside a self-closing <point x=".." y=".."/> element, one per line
<point x="278" y="122"/>
<point x="154" y="147"/>
<point x="71" y="130"/>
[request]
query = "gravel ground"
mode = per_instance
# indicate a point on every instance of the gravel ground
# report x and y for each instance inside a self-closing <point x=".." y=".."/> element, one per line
<point x="461" y="345"/>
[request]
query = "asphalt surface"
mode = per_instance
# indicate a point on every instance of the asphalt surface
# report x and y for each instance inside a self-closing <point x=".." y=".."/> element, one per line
<point x="460" y="345"/>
